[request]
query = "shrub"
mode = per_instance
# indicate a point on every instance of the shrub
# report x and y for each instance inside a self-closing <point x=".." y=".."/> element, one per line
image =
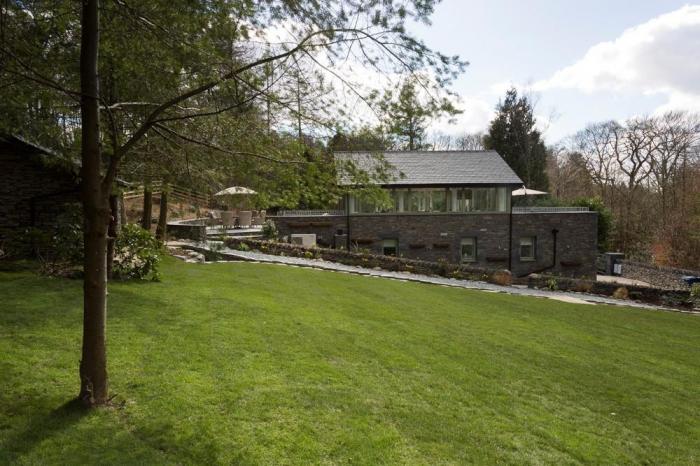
<point x="583" y="287"/>
<point x="502" y="277"/>
<point x="269" y="230"/>
<point x="243" y="247"/>
<point x="59" y="248"/>
<point x="552" y="284"/>
<point x="621" y="293"/>
<point x="605" y="218"/>
<point x="137" y="254"/>
<point x="695" y="291"/>
<point x="695" y="294"/>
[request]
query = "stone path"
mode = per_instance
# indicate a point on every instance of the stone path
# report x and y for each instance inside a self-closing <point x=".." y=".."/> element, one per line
<point x="621" y="280"/>
<point x="570" y="297"/>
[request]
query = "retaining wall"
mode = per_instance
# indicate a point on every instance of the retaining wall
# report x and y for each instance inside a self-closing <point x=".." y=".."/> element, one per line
<point x="195" y="229"/>
<point x="437" y="237"/>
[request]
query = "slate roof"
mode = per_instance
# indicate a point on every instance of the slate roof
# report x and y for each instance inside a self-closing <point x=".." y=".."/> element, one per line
<point x="23" y="145"/>
<point x="435" y="167"/>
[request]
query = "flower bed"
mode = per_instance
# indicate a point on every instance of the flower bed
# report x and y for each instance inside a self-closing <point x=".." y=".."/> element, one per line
<point x="390" y="263"/>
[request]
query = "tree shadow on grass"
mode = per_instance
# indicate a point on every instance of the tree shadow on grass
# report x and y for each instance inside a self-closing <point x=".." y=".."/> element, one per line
<point x="41" y="428"/>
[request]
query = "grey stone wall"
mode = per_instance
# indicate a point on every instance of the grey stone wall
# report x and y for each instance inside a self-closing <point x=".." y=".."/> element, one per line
<point x="577" y="243"/>
<point x="437" y="237"/>
<point x="195" y="229"/>
<point x="32" y="193"/>
<point x="325" y="227"/>
<point x="661" y="277"/>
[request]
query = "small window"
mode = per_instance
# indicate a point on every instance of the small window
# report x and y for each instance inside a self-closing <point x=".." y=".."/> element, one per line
<point x="527" y="248"/>
<point x="468" y="249"/>
<point x="390" y="247"/>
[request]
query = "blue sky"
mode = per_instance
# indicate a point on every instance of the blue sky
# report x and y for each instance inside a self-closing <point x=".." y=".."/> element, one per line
<point x="584" y="61"/>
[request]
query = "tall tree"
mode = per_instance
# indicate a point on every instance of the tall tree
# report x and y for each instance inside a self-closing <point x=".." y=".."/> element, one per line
<point x="514" y="135"/>
<point x="642" y="169"/>
<point x="173" y="63"/>
<point x="406" y="115"/>
<point x="367" y="138"/>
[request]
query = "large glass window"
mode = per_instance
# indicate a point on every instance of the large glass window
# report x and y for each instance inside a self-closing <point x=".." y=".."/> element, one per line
<point x="527" y="248"/>
<point x="425" y="200"/>
<point x="464" y="200"/>
<point x="489" y="199"/>
<point x="390" y="247"/>
<point x="397" y="200"/>
<point x="482" y="200"/>
<point x="418" y="201"/>
<point x="438" y="200"/>
<point x="468" y="249"/>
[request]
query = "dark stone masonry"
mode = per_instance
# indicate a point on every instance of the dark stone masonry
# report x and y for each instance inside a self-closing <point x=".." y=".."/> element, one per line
<point x="34" y="188"/>
<point x="438" y="237"/>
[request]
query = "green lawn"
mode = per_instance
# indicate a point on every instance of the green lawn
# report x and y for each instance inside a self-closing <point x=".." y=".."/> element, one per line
<point x="262" y="364"/>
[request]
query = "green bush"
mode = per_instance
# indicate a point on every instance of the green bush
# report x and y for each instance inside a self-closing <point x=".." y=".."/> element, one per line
<point x="269" y="230"/>
<point x="137" y="254"/>
<point x="58" y="248"/>
<point x="695" y="292"/>
<point x="595" y="204"/>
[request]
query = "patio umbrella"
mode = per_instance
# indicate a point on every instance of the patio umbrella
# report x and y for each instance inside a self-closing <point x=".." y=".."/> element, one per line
<point x="528" y="192"/>
<point x="233" y="190"/>
<point x="234" y="193"/>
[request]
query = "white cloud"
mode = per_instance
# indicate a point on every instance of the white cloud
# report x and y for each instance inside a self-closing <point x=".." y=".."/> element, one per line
<point x="660" y="56"/>
<point x="476" y="117"/>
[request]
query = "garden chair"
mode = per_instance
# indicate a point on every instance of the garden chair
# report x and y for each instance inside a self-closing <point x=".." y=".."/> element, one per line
<point x="259" y="219"/>
<point x="228" y="219"/>
<point x="245" y="218"/>
<point x="214" y="217"/>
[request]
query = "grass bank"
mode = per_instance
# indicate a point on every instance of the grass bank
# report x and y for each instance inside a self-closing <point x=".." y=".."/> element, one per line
<point x="259" y="364"/>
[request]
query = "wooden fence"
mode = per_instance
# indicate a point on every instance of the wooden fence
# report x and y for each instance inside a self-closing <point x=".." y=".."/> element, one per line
<point x="177" y="194"/>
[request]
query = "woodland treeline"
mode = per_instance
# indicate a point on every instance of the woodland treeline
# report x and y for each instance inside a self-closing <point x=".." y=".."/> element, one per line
<point x="646" y="171"/>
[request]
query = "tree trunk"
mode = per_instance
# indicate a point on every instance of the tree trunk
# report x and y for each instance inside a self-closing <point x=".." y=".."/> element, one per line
<point x="147" y="208"/>
<point x="122" y="210"/>
<point x="113" y="230"/>
<point x="161" y="229"/>
<point x="93" y="363"/>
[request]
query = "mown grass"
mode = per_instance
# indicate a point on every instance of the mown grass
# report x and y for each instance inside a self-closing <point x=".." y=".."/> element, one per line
<point x="262" y="364"/>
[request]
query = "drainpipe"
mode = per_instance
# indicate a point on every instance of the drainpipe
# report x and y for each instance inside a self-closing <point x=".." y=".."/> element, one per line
<point x="510" y="234"/>
<point x="554" y="256"/>
<point x="554" y="247"/>
<point x="347" y="222"/>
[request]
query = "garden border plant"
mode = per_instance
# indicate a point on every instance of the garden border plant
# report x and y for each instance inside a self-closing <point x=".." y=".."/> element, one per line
<point x="368" y="260"/>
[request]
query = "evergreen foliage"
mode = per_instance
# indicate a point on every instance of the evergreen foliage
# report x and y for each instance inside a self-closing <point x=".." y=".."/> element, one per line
<point x="513" y="135"/>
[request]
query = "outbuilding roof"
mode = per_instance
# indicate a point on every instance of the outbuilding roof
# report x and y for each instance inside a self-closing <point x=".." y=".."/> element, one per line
<point x="434" y="167"/>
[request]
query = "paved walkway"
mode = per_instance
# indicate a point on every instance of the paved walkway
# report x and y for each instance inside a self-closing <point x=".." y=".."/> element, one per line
<point x="621" y="280"/>
<point x="570" y="297"/>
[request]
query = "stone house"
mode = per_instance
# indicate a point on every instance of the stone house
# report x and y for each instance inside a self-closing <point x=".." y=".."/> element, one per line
<point x="35" y="185"/>
<point x="454" y="206"/>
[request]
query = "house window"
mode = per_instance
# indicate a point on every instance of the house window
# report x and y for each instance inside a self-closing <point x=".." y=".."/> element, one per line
<point x="468" y="249"/>
<point x="481" y="200"/>
<point x="527" y="248"/>
<point x="390" y="247"/>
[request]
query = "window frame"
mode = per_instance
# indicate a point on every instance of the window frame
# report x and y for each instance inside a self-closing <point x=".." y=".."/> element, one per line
<point x="475" y="250"/>
<point x="395" y="247"/>
<point x="533" y="246"/>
